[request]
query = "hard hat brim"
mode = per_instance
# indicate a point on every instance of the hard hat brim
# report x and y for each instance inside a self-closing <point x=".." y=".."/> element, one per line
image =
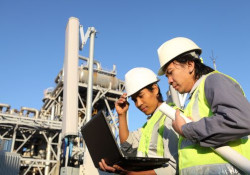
<point x="134" y="92"/>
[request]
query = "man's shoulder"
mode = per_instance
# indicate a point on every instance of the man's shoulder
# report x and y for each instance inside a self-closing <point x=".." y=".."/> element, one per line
<point x="216" y="78"/>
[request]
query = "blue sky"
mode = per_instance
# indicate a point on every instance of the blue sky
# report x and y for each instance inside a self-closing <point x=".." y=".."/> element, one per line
<point x="32" y="38"/>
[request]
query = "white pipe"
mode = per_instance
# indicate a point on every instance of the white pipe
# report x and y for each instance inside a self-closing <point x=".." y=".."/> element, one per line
<point x="224" y="151"/>
<point x="170" y="112"/>
<point x="48" y="155"/>
<point x="67" y="156"/>
<point x="6" y="106"/>
<point x="52" y="116"/>
<point x="30" y="110"/>
<point x="98" y="64"/>
<point x="234" y="158"/>
<point x="90" y="76"/>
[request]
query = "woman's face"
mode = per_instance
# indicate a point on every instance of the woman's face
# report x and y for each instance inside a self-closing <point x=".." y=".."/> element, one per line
<point x="146" y="100"/>
<point x="181" y="76"/>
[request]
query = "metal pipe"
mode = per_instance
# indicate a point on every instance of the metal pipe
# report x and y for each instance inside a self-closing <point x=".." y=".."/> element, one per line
<point x="90" y="77"/>
<point x="4" y="106"/>
<point x="48" y="155"/>
<point x="59" y="146"/>
<point x="67" y="156"/>
<point x="30" y="110"/>
<point x="52" y="113"/>
<point x="98" y="64"/>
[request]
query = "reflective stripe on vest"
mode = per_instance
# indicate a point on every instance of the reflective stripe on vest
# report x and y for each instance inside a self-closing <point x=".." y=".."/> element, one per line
<point x="152" y="136"/>
<point x="194" y="158"/>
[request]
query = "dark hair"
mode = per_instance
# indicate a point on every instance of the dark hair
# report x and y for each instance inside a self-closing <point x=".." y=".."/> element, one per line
<point x="150" y="88"/>
<point x="200" y="68"/>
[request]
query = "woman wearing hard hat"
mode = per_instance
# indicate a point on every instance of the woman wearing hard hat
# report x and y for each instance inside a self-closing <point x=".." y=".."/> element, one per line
<point x="217" y="106"/>
<point x="157" y="137"/>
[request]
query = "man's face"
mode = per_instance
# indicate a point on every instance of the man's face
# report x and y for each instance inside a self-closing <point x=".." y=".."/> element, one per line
<point x="146" y="100"/>
<point x="180" y="76"/>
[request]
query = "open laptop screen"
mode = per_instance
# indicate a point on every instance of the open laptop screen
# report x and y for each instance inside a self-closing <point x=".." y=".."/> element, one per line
<point x="101" y="144"/>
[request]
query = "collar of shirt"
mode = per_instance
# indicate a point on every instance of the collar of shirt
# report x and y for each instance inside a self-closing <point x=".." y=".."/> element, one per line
<point x="196" y="84"/>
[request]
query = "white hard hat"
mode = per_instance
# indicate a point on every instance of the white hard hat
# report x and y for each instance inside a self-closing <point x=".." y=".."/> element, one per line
<point x="138" y="78"/>
<point x="173" y="48"/>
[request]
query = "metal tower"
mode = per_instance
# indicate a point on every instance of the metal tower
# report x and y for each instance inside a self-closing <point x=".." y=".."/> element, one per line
<point x="49" y="141"/>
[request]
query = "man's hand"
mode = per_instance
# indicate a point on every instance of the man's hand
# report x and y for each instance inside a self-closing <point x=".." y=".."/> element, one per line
<point x="114" y="169"/>
<point x="105" y="167"/>
<point x="121" y="105"/>
<point x="178" y="123"/>
<point x="119" y="170"/>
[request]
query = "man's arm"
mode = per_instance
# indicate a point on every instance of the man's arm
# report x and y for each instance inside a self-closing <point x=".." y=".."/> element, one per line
<point x="123" y="128"/>
<point x="231" y="114"/>
<point x="121" y="106"/>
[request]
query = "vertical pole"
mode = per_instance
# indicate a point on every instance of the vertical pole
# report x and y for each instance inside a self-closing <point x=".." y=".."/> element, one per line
<point x="59" y="143"/>
<point x="67" y="156"/>
<point x="214" y="64"/>
<point x="87" y="159"/>
<point x="48" y="155"/>
<point x="90" y="77"/>
<point x="52" y="117"/>
<point x="59" y="146"/>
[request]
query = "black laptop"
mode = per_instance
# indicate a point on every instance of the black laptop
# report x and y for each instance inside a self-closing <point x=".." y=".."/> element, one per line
<point x="101" y="144"/>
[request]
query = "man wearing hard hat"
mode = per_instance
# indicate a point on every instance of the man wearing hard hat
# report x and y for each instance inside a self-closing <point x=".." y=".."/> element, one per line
<point x="157" y="137"/>
<point x="217" y="106"/>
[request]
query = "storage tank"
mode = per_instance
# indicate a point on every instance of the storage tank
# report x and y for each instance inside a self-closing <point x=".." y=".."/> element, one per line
<point x="101" y="78"/>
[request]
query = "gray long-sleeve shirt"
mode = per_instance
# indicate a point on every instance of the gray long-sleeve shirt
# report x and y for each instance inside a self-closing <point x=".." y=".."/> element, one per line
<point x="231" y="119"/>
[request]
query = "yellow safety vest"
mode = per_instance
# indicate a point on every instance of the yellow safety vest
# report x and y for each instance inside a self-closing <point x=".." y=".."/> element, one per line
<point x="194" y="159"/>
<point x="147" y="136"/>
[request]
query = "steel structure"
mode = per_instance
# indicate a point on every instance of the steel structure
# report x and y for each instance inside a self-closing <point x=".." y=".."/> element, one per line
<point x="43" y="141"/>
<point x="28" y="134"/>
